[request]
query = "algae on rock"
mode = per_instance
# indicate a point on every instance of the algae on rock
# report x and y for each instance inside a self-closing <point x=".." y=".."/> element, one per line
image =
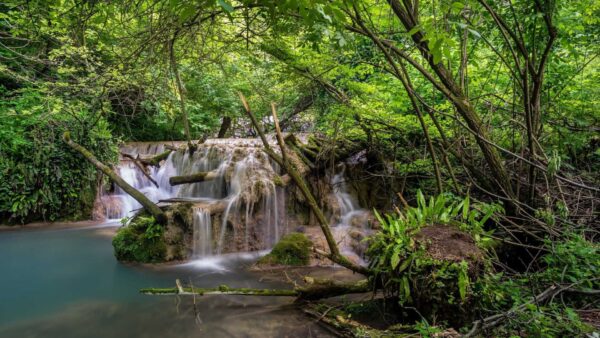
<point x="292" y="249"/>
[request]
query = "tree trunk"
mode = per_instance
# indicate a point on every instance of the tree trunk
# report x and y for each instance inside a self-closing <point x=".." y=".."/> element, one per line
<point x="152" y="208"/>
<point x="225" y="125"/>
<point x="181" y="92"/>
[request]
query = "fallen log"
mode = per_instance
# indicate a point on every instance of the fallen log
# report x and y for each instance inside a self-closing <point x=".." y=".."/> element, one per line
<point x="210" y="207"/>
<point x="221" y="290"/>
<point x="193" y="178"/>
<point x="316" y="289"/>
<point x="327" y="288"/>
<point x="156" y="159"/>
<point x="152" y="208"/>
<point x="171" y="147"/>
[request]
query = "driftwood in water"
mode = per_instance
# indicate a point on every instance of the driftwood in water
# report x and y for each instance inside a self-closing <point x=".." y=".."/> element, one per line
<point x="152" y="208"/>
<point x="193" y="178"/>
<point x="334" y="255"/>
<point x="340" y="326"/>
<point x="327" y="288"/>
<point x="317" y="289"/>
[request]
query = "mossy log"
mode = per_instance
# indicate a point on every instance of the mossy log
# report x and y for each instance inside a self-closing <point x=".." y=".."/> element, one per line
<point x="221" y="290"/>
<point x="316" y="289"/>
<point x="150" y="206"/>
<point x="193" y="178"/>
<point x="156" y="159"/>
<point x="327" y="288"/>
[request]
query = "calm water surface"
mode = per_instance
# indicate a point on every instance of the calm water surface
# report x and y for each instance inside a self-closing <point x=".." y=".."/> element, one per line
<point x="67" y="283"/>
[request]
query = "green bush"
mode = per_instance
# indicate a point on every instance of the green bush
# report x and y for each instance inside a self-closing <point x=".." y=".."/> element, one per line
<point x="140" y="241"/>
<point x="438" y="286"/>
<point x="573" y="262"/>
<point x="292" y="249"/>
<point x="41" y="178"/>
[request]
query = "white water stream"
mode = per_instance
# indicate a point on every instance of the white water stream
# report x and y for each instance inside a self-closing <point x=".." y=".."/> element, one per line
<point x="351" y="216"/>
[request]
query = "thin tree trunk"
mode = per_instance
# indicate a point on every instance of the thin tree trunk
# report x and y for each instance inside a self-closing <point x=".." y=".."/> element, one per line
<point x="225" y="125"/>
<point x="150" y="206"/>
<point x="181" y="93"/>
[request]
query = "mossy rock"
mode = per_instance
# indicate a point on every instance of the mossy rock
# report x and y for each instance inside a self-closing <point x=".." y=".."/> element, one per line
<point x="292" y="249"/>
<point x="140" y="241"/>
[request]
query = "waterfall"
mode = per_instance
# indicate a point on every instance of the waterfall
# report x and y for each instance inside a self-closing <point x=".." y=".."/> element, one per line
<point x="351" y="216"/>
<point x="253" y="209"/>
<point x="202" y="241"/>
<point x="349" y="208"/>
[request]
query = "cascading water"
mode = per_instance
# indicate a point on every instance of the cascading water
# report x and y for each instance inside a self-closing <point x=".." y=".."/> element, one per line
<point x="350" y="214"/>
<point x="252" y="217"/>
<point x="202" y="243"/>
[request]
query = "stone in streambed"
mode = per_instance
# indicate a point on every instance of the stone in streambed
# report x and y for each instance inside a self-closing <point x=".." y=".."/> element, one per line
<point x="293" y="249"/>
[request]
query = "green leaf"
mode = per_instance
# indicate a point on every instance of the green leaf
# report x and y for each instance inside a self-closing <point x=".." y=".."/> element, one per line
<point x="406" y="288"/>
<point x="414" y="30"/>
<point x="225" y="5"/>
<point x="405" y="264"/>
<point x="458" y="5"/>
<point x="395" y="260"/>
<point x="475" y="33"/>
<point x="463" y="280"/>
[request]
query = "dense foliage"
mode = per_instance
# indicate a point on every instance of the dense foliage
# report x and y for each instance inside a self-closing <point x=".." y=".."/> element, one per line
<point x="495" y="100"/>
<point x="420" y="272"/>
<point x="40" y="178"/>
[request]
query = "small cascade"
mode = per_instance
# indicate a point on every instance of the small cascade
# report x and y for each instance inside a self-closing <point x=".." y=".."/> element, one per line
<point x="351" y="216"/>
<point x="119" y="204"/>
<point x="202" y="233"/>
<point x="252" y="207"/>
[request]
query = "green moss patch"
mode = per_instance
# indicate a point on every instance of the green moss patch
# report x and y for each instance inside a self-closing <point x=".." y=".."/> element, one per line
<point x="292" y="249"/>
<point x="140" y="241"/>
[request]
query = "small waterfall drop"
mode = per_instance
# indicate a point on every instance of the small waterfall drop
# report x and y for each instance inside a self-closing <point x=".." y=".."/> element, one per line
<point x="202" y="232"/>
<point x="351" y="216"/>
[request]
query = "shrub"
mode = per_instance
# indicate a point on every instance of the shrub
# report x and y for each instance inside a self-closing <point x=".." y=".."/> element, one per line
<point x="40" y="177"/>
<point x="415" y="254"/>
<point x="571" y="262"/>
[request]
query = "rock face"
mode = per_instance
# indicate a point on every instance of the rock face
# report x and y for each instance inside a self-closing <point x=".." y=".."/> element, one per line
<point x="243" y="207"/>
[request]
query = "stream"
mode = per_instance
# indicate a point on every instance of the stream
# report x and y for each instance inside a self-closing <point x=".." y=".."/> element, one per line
<point x="67" y="283"/>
